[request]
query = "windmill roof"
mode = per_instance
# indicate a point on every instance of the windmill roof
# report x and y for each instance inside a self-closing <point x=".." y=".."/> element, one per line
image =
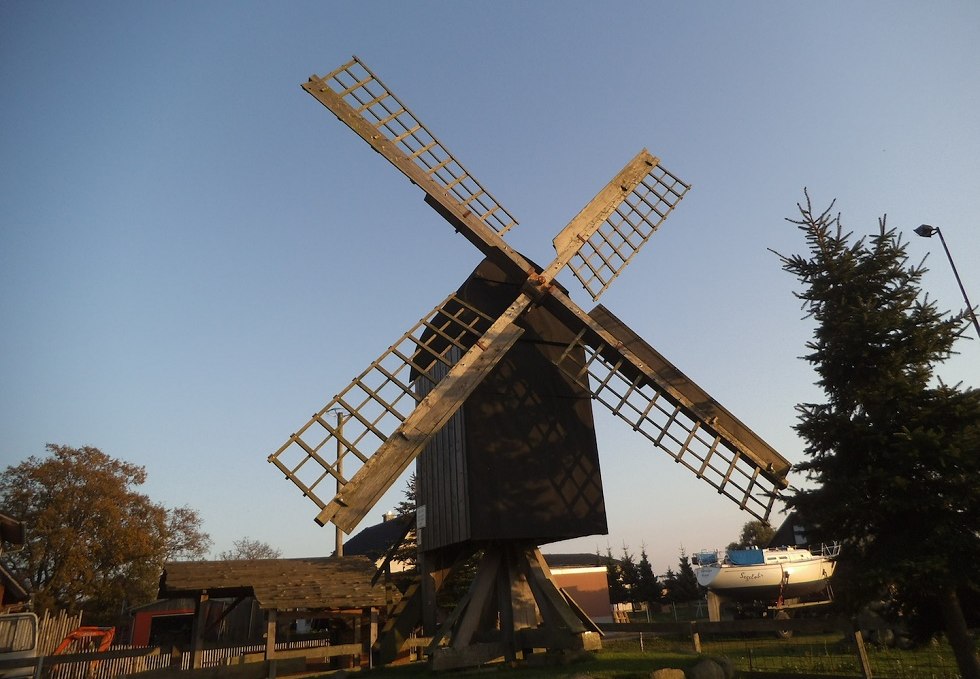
<point x="304" y="583"/>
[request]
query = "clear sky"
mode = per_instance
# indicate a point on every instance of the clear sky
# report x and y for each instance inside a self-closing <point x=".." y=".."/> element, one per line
<point x="195" y="255"/>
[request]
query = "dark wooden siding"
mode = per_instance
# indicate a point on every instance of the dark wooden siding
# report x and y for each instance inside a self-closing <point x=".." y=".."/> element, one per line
<point x="519" y="460"/>
<point x="442" y="487"/>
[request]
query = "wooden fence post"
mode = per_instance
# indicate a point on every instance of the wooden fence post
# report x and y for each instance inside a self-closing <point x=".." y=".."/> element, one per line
<point x="197" y="631"/>
<point x="270" y="641"/>
<point x="862" y="654"/>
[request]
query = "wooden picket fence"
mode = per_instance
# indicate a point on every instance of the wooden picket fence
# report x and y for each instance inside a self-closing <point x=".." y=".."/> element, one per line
<point x="124" y="661"/>
<point x="53" y="628"/>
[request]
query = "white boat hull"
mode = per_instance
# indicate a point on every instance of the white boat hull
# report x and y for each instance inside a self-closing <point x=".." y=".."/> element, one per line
<point x="767" y="581"/>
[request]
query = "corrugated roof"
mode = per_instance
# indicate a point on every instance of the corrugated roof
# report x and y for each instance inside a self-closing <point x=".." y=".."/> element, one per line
<point x="280" y="584"/>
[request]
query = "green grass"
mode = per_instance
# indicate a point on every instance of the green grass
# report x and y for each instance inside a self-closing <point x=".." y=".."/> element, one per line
<point x="832" y="654"/>
<point x="812" y="654"/>
<point x="617" y="660"/>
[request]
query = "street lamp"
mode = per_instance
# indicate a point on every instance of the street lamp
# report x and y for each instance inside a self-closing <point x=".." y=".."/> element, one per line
<point x="339" y="435"/>
<point x="926" y="231"/>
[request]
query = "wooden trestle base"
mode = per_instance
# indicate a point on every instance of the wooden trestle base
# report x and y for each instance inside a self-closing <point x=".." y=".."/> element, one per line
<point x="512" y="611"/>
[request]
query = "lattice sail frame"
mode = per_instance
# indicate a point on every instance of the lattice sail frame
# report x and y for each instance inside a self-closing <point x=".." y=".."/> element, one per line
<point x="621" y="235"/>
<point x="378" y="400"/>
<point x="367" y="95"/>
<point x="669" y="424"/>
<point x="597" y="244"/>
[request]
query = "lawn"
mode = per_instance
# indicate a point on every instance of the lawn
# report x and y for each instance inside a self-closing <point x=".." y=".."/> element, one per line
<point x="623" y="658"/>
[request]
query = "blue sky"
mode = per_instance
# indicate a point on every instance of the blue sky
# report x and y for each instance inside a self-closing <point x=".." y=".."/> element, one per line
<point x="195" y="255"/>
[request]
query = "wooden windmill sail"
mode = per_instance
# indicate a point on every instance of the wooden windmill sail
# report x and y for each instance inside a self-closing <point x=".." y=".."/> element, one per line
<point x="525" y="335"/>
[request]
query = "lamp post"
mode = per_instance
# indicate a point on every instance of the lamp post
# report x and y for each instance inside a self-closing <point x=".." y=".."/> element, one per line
<point x="926" y="231"/>
<point x="339" y="435"/>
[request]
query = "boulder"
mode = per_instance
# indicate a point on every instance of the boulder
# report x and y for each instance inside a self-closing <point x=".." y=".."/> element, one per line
<point x="706" y="669"/>
<point x="727" y="666"/>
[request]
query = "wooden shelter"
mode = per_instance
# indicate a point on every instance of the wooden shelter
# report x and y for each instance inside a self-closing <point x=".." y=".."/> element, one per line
<point x="285" y="590"/>
<point x="13" y="595"/>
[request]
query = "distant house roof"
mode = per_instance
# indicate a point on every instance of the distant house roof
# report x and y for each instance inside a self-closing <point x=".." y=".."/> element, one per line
<point x="307" y="583"/>
<point x="375" y="541"/>
<point x="573" y="560"/>
<point x="792" y="532"/>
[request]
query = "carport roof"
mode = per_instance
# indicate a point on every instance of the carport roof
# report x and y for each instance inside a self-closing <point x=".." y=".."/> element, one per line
<point x="278" y="584"/>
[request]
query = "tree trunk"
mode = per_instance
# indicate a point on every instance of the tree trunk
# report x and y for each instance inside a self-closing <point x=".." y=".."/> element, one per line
<point x="959" y="636"/>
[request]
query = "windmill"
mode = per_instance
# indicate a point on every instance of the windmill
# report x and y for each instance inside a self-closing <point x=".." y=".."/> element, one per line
<point x="493" y="388"/>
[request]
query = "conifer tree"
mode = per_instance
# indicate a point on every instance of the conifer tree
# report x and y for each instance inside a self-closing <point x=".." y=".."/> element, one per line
<point x="686" y="584"/>
<point x="893" y="454"/>
<point x="614" y="578"/>
<point x="648" y="587"/>
<point x="629" y="575"/>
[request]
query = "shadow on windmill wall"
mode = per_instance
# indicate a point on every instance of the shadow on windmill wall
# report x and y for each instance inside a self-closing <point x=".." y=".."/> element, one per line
<point x="519" y="460"/>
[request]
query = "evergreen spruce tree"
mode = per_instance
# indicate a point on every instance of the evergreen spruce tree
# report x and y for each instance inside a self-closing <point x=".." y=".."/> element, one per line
<point x="407" y="552"/>
<point x="629" y="575"/>
<point x="893" y="455"/>
<point x="648" y="588"/>
<point x="686" y="583"/>
<point x="614" y="578"/>
<point x="670" y="584"/>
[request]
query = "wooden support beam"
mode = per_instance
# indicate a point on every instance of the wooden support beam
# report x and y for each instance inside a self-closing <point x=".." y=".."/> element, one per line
<point x="270" y="641"/>
<point x="384" y="467"/>
<point x="197" y="631"/>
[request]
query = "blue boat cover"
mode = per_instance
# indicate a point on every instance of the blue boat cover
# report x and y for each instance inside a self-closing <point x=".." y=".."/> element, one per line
<point x="745" y="557"/>
<point x="706" y="558"/>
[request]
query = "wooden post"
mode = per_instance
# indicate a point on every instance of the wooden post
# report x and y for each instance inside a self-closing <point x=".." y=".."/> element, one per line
<point x="695" y="637"/>
<point x="714" y="607"/>
<point x="372" y="635"/>
<point x="197" y="632"/>
<point x="862" y="654"/>
<point x="270" y="642"/>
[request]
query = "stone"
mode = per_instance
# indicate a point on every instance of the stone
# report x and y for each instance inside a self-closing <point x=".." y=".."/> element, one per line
<point x="727" y="666"/>
<point x="667" y="673"/>
<point x="706" y="669"/>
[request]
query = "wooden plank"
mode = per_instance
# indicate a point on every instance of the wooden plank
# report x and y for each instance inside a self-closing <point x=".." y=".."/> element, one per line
<point x="862" y="654"/>
<point x="465" y="221"/>
<point x="400" y="625"/>
<point x="331" y="651"/>
<point x="258" y="670"/>
<point x="197" y="631"/>
<point x="583" y="225"/>
<point x="554" y="609"/>
<point x="88" y="656"/>
<point x="476" y="600"/>
<point x="447" y="658"/>
<point x="384" y="467"/>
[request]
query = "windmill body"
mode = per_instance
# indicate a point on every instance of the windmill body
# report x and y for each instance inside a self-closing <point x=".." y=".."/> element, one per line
<point x="519" y="460"/>
<point x="492" y="391"/>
